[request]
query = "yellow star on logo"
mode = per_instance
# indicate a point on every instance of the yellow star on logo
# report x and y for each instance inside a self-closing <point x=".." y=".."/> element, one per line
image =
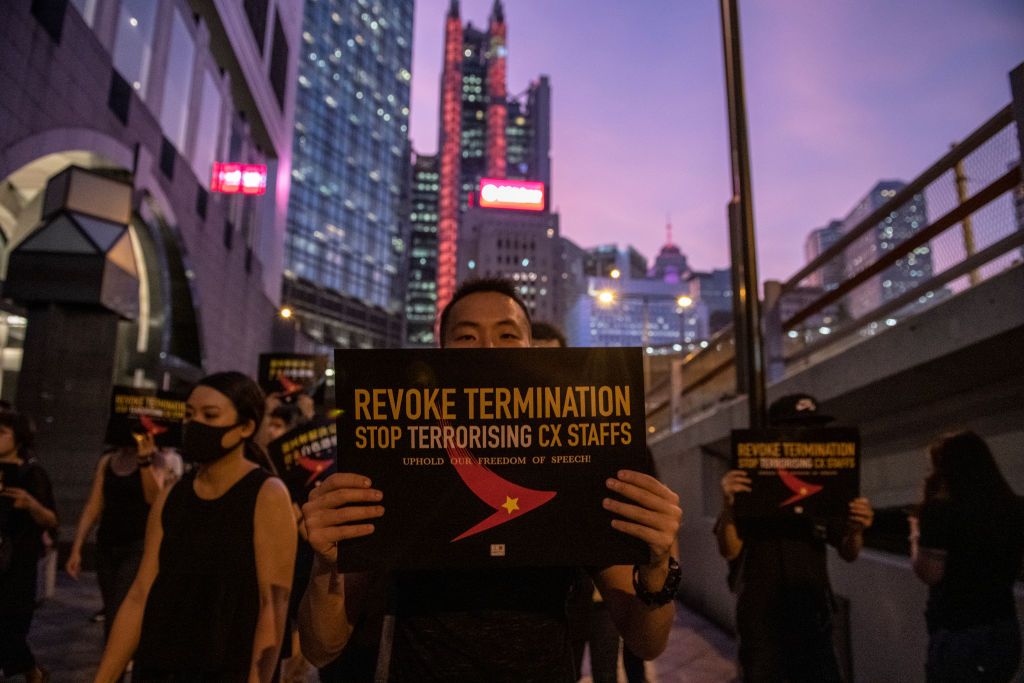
<point x="511" y="504"/>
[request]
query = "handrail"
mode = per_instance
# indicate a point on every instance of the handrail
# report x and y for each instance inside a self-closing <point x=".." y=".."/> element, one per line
<point x="1007" y="181"/>
<point x="972" y="142"/>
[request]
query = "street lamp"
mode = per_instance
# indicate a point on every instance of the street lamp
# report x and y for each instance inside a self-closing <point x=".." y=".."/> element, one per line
<point x="286" y="313"/>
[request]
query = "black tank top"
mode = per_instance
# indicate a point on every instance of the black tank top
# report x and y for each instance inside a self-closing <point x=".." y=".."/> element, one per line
<point x="201" y="613"/>
<point x="123" y="520"/>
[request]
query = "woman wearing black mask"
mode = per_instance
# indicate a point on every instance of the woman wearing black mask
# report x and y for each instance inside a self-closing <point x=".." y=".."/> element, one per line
<point x="210" y="598"/>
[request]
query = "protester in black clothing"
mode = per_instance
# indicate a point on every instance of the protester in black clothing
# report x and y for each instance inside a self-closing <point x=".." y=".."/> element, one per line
<point x="128" y="480"/>
<point x="589" y="620"/>
<point x="210" y="598"/>
<point x="779" y="572"/>
<point x="26" y="511"/>
<point x="465" y="625"/>
<point x="967" y="541"/>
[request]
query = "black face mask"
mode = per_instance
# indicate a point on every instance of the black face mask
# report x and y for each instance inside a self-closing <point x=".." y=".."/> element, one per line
<point x="202" y="443"/>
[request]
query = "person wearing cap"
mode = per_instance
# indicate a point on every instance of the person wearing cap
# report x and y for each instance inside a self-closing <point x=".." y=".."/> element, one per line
<point x="779" y="571"/>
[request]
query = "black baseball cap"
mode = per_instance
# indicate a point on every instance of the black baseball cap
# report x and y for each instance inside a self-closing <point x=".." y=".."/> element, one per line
<point x="797" y="410"/>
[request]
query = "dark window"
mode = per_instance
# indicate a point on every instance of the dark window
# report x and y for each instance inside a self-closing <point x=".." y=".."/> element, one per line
<point x="202" y="197"/>
<point x="279" y="62"/>
<point x="229" y="234"/>
<point x="167" y="157"/>
<point x="256" y="11"/>
<point x="248" y="260"/>
<point x="50" y="15"/>
<point x="120" y="96"/>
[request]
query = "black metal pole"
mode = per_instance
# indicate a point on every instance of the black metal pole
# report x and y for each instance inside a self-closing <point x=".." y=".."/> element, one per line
<point x="741" y="224"/>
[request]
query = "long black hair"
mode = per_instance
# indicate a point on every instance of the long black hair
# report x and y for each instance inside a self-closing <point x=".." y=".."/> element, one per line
<point x="23" y="430"/>
<point x="964" y="471"/>
<point x="248" y="399"/>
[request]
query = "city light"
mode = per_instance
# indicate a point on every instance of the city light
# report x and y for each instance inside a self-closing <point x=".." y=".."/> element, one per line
<point x="616" y="273"/>
<point x="606" y="297"/>
<point x="684" y="301"/>
<point x="286" y="313"/>
<point x="521" y="195"/>
<point x="232" y="178"/>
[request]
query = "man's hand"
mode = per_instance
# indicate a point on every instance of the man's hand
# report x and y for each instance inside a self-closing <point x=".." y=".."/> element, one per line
<point x="734" y="481"/>
<point x="861" y="514"/>
<point x="334" y="506"/>
<point x="654" y="517"/>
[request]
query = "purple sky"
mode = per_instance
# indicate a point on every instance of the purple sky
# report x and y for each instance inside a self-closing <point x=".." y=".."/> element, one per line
<point x="839" y="95"/>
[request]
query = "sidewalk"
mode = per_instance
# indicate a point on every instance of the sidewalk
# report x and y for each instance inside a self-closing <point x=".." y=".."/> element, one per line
<point x="69" y="645"/>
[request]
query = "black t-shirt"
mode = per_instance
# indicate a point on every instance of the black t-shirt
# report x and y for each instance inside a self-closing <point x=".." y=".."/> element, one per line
<point x="22" y="536"/>
<point x="498" y="625"/>
<point x="984" y="546"/>
<point x="782" y="573"/>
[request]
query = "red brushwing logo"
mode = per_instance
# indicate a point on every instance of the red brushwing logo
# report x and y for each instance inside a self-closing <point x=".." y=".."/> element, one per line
<point x="508" y="500"/>
<point x="800" y="488"/>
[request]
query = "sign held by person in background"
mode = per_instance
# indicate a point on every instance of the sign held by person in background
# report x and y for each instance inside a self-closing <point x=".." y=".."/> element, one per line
<point x="811" y="472"/>
<point x="135" y="410"/>
<point x="304" y="456"/>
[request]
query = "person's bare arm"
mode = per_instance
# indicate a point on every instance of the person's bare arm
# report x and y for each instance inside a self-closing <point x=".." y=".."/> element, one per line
<point x="336" y="510"/>
<point x="929" y="564"/>
<point x="43" y="516"/>
<point x="729" y="541"/>
<point x="152" y="473"/>
<point x="274" y="543"/>
<point x="653" y="515"/>
<point x="861" y="518"/>
<point x="124" y="635"/>
<point x="90" y="515"/>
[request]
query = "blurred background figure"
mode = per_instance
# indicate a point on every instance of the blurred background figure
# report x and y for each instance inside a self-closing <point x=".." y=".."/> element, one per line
<point x="966" y="543"/>
<point x="128" y="480"/>
<point x="26" y="511"/>
<point x="208" y="600"/>
<point x="778" y="568"/>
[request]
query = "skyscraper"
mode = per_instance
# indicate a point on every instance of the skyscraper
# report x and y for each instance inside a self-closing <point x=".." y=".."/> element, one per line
<point x="421" y="290"/>
<point x="899" y="225"/>
<point x="818" y="241"/>
<point x="345" y="250"/>
<point x="483" y="132"/>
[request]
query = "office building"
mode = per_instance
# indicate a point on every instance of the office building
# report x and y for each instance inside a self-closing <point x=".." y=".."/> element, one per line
<point x="118" y="232"/>
<point x="346" y="245"/>
<point x="892" y="230"/>
<point x="818" y="242"/>
<point x="421" y="291"/>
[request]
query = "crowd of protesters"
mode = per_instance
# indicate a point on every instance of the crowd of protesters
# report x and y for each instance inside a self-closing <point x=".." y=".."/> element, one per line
<point x="220" y="573"/>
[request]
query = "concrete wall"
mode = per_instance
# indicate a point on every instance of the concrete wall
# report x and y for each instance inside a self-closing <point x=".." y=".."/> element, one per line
<point x="957" y="365"/>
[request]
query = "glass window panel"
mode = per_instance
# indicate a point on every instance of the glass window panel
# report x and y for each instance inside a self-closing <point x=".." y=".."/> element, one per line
<point x="133" y="42"/>
<point x="87" y="8"/>
<point x="178" y="83"/>
<point x="208" y="129"/>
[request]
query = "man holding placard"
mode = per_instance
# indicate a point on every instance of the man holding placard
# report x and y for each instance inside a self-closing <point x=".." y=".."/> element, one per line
<point x="794" y="489"/>
<point x="506" y="623"/>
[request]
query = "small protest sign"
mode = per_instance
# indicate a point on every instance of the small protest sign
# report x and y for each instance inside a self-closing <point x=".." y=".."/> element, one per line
<point x="814" y="472"/>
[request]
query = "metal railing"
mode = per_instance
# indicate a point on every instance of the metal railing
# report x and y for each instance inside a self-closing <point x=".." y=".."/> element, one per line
<point x="888" y="271"/>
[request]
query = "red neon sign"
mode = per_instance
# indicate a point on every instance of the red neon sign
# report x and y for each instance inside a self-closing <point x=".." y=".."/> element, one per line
<point x="521" y="195"/>
<point x="231" y="178"/>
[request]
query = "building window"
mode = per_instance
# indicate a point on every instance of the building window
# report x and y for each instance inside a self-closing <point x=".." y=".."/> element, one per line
<point x="133" y="42"/>
<point x="87" y="8"/>
<point x="178" y="83"/>
<point x="256" y="12"/>
<point x="204" y="152"/>
<point x="279" y="62"/>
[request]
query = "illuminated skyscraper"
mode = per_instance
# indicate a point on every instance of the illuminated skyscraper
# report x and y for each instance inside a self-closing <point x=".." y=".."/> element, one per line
<point x="345" y="247"/>
<point x="484" y="132"/>
<point x="421" y="290"/>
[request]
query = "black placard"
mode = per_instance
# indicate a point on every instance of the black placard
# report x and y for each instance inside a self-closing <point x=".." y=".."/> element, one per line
<point x="136" y="410"/>
<point x="533" y="436"/>
<point x="292" y="373"/>
<point x="305" y="456"/>
<point x="813" y="472"/>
